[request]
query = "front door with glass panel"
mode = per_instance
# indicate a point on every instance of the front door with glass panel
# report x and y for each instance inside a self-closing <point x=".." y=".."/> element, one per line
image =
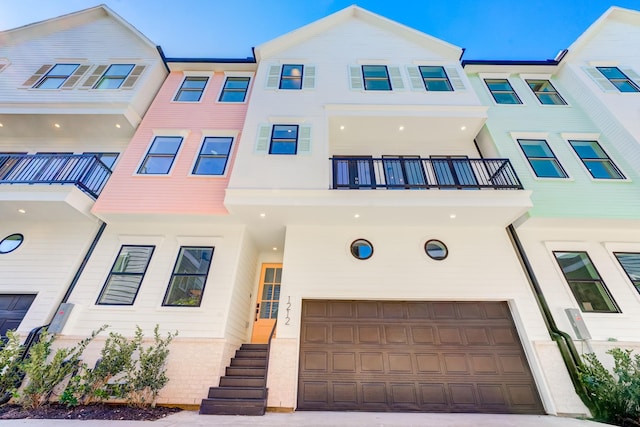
<point x="267" y="303"/>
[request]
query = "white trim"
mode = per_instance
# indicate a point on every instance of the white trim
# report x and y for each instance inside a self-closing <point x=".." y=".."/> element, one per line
<point x="585" y="137"/>
<point x="286" y="120"/>
<point x="525" y="76"/>
<point x="539" y="136"/>
<point x="484" y="76"/>
<point x="249" y="74"/>
<point x="247" y="94"/>
<point x="208" y="75"/>
<point x="629" y="247"/>
<point x="493" y="100"/>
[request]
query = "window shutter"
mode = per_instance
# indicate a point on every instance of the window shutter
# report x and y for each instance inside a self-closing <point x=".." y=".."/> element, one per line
<point x="415" y="78"/>
<point x="396" y="78"/>
<point x="262" y="142"/>
<point x="600" y="80"/>
<point x="37" y="76"/>
<point x="355" y="77"/>
<point x="133" y="77"/>
<point x="93" y="78"/>
<point x="309" y="77"/>
<point x="455" y="79"/>
<point x="304" y="139"/>
<point x="273" y="78"/>
<point x="632" y="75"/>
<point x="73" y="79"/>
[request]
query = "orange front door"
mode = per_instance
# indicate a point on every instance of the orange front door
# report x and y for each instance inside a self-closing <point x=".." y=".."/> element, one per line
<point x="267" y="303"/>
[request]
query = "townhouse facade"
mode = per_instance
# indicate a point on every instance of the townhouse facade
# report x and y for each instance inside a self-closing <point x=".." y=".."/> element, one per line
<point x="73" y="90"/>
<point x="406" y="231"/>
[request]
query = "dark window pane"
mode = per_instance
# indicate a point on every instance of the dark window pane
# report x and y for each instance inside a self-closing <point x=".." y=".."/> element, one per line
<point x="189" y="276"/>
<point x="126" y="275"/>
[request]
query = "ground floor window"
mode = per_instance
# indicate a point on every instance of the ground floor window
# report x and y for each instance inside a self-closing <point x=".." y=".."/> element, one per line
<point x="189" y="277"/>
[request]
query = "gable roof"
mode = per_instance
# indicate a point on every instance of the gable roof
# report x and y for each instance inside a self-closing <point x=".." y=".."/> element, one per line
<point x="294" y="37"/>
<point x="614" y="13"/>
<point x="48" y="26"/>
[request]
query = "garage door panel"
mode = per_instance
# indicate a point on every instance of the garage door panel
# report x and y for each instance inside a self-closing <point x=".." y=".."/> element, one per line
<point x="427" y="356"/>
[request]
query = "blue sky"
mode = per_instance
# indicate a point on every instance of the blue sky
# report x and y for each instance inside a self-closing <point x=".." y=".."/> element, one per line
<point x="488" y="29"/>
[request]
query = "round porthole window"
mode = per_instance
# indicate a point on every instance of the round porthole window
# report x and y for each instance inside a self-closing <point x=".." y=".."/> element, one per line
<point x="361" y="249"/>
<point x="436" y="249"/>
<point x="10" y="243"/>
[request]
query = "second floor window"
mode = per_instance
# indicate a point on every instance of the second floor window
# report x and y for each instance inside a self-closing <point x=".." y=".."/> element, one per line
<point x="502" y="91"/>
<point x="619" y="79"/>
<point x="235" y="89"/>
<point x="213" y="156"/>
<point x="160" y="156"/>
<point x="57" y="76"/>
<point x="597" y="162"/>
<point x="545" y="92"/>
<point x="542" y="160"/>
<point x="191" y="89"/>
<point x="114" y="76"/>
<point x="376" y="77"/>
<point x="435" y="79"/>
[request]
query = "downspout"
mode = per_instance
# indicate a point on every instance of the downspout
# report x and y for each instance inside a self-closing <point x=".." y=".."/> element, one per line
<point x="85" y="260"/>
<point x="570" y="355"/>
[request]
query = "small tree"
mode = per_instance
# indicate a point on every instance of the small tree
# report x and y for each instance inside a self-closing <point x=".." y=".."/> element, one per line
<point x="43" y="375"/>
<point x="616" y="394"/>
<point x="148" y="376"/>
<point x="10" y="368"/>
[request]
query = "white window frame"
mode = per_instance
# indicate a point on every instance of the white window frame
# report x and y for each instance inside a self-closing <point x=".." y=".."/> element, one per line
<point x="186" y="74"/>
<point x="159" y="133"/>
<point x="215" y="133"/>
<point x="228" y="74"/>
<point x="597" y="138"/>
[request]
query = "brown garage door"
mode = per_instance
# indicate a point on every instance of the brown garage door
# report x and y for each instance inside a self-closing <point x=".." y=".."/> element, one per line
<point x="413" y="356"/>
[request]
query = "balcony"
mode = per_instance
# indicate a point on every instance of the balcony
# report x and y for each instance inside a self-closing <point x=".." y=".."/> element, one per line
<point x="84" y="171"/>
<point x="416" y="173"/>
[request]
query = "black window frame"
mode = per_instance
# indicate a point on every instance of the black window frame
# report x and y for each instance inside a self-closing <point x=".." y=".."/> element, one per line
<point x="366" y="79"/>
<point x="493" y="92"/>
<point x="635" y="283"/>
<point x="48" y="76"/>
<point x="175" y="275"/>
<point x="184" y="90"/>
<point x="104" y="290"/>
<point x="107" y="77"/>
<point x="287" y="77"/>
<point x="596" y="159"/>
<point x="9" y="237"/>
<point x="597" y="280"/>
<point x="426" y="80"/>
<point x="620" y="82"/>
<point x="227" y="90"/>
<point x="553" y="159"/>
<point x="212" y="156"/>
<point x="539" y="93"/>
<point x="150" y="155"/>
<point x="283" y="141"/>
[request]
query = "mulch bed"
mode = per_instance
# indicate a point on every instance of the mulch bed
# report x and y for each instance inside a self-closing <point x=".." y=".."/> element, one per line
<point x="98" y="411"/>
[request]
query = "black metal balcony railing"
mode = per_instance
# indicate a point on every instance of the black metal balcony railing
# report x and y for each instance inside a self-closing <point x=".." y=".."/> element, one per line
<point x="418" y="173"/>
<point x="85" y="171"/>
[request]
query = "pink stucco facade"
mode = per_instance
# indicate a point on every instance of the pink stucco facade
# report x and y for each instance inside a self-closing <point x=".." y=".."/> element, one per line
<point x="178" y="192"/>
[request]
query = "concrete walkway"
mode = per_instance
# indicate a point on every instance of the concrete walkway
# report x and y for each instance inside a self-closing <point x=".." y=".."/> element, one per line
<point x="318" y="419"/>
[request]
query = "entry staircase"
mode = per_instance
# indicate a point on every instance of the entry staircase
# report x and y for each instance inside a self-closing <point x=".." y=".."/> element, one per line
<point x="243" y="389"/>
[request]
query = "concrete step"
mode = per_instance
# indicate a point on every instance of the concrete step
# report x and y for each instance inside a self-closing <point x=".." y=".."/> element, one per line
<point x="249" y="362"/>
<point x="243" y="381"/>
<point x="237" y="393"/>
<point x="233" y="406"/>
<point x="245" y="371"/>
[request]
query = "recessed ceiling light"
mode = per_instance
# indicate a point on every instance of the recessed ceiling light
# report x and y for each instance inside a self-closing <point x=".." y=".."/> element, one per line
<point x="452" y="216"/>
<point x="463" y="128"/>
<point x="118" y="125"/>
<point x="401" y="128"/>
<point x="1" y="125"/>
<point x="262" y="215"/>
<point x="274" y="248"/>
<point x="56" y="125"/>
<point x="356" y="216"/>
<point x="22" y="211"/>
<point x="342" y="127"/>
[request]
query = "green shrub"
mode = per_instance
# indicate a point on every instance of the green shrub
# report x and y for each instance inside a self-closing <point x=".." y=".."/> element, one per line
<point x="93" y="385"/>
<point x="45" y="373"/>
<point x="616" y="394"/>
<point x="147" y="376"/>
<point x="10" y="367"/>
